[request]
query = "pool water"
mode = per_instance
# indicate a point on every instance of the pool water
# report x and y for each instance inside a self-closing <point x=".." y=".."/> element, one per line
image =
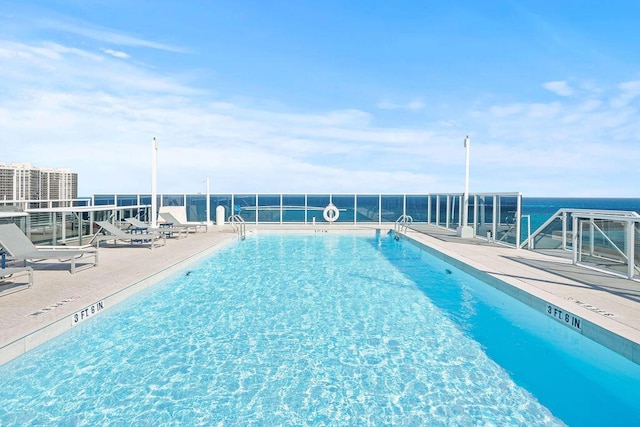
<point x="319" y="330"/>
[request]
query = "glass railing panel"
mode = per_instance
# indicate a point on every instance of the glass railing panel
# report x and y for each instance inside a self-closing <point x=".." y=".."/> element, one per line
<point x="293" y="208"/>
<point x="196" y="207"/>
<point x="315" y="206"/>
<point x="472" y="206"/>
<point x="104" y="199"/>
<point x="433" y="213"/>
<point x="442" y="210"/>
<point x="550" y="237"/>
<point x="40" y="224"/>
<point x="72" y="228"/>
<point x="127" y="199"/>
<point x="454" y="210"/>
<point x="223" y="200"/>
<point x="506" y="229"/>
<point x="484" y="220"/>
<point x="507" y="208"/>
<point x="345" y="204"/>
<point x="269" y="208"/>
<point x="368" y="209"/>
<point x="102" y="216"/>
<point x="417" y="206"/>
<point x="245" y="205"/>
<point x="173" y="200"/>
<point x="392" y="207"/>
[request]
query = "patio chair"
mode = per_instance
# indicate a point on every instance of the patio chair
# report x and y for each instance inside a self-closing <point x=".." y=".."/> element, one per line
<point x="165" y="229"/>
<point x="191" y="226"/>
<point x="141" y="236"/>
<point x="18" y="245"/>
<point x="8" y="278"/>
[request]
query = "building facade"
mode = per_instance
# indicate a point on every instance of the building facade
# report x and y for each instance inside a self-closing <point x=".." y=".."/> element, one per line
<point x="22" y="181"/>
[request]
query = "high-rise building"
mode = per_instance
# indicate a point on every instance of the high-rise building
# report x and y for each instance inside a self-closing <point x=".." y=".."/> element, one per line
<point x="22" y="181"/>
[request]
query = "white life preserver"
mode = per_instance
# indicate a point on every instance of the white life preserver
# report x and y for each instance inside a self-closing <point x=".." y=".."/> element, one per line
<point x="330" y="213"/>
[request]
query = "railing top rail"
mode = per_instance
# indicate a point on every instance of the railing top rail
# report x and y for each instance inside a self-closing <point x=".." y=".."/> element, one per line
<point x="603" y="214"/>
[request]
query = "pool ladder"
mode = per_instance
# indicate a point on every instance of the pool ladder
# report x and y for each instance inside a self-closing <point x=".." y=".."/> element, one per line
<point x="238" y="226"/>
<point x="401" y="225"/>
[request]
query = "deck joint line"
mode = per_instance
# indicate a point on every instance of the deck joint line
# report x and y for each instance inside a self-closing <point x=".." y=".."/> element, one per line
<point x="53" y="306"/>
<point x="591" y="307"/>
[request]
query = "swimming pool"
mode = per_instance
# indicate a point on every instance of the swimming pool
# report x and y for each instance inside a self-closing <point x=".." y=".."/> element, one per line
<point x="320" y="330"/>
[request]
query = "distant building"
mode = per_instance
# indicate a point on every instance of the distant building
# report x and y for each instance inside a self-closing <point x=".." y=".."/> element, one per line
<point x="21" y="181"/>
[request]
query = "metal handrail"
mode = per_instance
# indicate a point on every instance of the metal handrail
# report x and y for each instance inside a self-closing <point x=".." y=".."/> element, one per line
<point x="238" y="225"/>
<point x="402" y="223"/>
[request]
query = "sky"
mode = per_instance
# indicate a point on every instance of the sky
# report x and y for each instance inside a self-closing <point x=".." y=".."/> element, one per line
<point x="325" y="96"/>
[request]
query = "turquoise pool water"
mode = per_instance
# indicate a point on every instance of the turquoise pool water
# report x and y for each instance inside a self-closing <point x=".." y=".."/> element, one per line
<point x="320" y="330"/>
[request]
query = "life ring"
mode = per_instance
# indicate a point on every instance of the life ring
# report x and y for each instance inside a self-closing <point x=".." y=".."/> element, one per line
<point x="331" y="213"/>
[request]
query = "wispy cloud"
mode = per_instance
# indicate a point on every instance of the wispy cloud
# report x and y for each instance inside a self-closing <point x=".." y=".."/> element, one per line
<point x="560" y="87"/>
<point x="116" y="53"/>
<point x="105" y="35"/>
<point x="628" y="92"/>
<point x="57" y="67"/>
<point x="414" y="105"/>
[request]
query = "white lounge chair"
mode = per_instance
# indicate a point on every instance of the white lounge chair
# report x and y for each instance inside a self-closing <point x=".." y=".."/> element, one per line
<point x="9" y="282"/>
<point x="18" y="245"/>
<point x="114" y="233"/>
<point x="191" y="226"/>
<point x="168" y="231"/>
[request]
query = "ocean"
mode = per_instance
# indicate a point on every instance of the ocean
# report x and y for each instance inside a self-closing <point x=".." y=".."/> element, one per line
<point x="542" y="208"/>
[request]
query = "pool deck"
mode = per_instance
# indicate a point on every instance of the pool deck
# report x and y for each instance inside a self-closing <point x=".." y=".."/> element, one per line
<point x="606" y="307"/>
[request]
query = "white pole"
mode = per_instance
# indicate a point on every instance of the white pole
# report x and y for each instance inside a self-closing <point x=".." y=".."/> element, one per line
<point x="208" y="204"/>
<point x="465" y="201"/>
<point x="154" y="183"/>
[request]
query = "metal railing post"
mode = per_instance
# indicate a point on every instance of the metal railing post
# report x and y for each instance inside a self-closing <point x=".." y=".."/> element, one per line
<point x="574" y="239"/>
<point x="629" y="228"/>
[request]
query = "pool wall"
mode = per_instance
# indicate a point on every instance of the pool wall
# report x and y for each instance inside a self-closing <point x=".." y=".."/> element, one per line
<point x="541" y="303"/>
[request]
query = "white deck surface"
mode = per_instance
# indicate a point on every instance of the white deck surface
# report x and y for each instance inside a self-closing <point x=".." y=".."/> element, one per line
<point x="609" y="306"/>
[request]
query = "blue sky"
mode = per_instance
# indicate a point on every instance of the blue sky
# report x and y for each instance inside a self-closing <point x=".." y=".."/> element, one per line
<point x="326" y="96"/>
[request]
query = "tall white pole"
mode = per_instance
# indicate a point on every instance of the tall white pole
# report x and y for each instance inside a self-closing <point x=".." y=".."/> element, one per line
<point x="154" y="183"/>
<point x="465" y="200"/>
<point x="208" y="204"/>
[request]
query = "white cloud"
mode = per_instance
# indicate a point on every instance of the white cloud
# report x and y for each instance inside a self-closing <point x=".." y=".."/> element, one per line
<point x="505" y="110"/>
<point x="116" y="53"/>
<point x="545" y="111"/>
<point x="628" y="92"/>
<point x="559" y="88"/>
<point x="414" y="105"/>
